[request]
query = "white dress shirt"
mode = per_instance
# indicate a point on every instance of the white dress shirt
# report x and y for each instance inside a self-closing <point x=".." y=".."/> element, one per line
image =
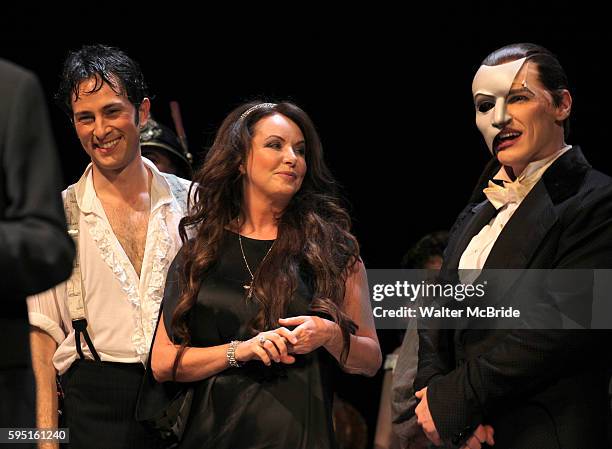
<point x="477" y="251"/>
<point x="121" y="308"/>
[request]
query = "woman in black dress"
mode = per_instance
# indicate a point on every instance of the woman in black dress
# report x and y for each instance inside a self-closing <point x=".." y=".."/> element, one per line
<point x="269" y="294"/>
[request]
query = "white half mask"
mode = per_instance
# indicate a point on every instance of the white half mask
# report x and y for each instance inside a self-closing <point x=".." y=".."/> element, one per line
<point x="494" y="82"/>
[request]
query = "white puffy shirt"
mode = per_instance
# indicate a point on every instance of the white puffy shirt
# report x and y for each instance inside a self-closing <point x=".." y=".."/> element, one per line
<point x="121" y="308"/>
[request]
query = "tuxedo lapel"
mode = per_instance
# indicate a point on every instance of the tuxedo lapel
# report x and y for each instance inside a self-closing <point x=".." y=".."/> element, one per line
<point x="475" y="219"/>
<point x="523" y="233"/>
<point x="521" y="238"/>
<point x="518" y="242"/>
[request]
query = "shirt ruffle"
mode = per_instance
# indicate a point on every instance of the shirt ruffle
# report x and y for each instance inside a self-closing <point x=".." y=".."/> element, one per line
<point x="145" y="311"/>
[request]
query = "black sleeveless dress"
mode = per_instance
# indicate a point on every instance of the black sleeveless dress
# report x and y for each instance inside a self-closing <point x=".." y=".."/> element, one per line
<point x="254" y="406"/>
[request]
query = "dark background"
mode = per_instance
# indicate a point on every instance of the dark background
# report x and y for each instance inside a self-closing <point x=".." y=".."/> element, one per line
<point x="389" y="91"/>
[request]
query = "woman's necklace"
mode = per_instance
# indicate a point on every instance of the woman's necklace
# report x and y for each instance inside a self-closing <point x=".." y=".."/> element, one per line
<point x="249" y="286"/>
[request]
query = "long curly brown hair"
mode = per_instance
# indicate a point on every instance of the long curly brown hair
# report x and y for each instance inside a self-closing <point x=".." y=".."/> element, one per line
<point x="313" y="231"/>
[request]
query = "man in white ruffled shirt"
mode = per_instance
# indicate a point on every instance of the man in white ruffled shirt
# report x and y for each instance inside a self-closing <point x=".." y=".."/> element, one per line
<point x="127" y="226"/>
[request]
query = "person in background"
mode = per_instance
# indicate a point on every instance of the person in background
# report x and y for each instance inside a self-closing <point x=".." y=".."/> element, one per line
<point x="35" y="250"/>
<point x="160" y="145"/>
<point x="396" y="426"/>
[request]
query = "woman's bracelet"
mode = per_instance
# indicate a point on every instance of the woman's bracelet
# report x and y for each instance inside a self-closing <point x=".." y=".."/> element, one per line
<point x="231" y="354"/>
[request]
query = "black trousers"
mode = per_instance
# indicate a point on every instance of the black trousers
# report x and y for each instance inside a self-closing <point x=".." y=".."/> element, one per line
<point x="17" y="402"/>
<point x="99" y="406"/>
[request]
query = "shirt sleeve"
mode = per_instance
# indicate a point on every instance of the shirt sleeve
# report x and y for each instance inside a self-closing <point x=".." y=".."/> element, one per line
<point x="46" y="311"/>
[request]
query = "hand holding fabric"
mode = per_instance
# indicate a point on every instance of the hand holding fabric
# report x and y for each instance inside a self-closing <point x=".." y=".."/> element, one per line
<point x="425" y="419"/>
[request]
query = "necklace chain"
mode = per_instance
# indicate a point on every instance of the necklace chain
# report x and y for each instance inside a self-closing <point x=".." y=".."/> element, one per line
<point x="249" y="286"/>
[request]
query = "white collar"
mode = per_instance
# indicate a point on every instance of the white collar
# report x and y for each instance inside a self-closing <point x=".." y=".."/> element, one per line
<point x="534" y="170"/>
<point x="86" y="193"/>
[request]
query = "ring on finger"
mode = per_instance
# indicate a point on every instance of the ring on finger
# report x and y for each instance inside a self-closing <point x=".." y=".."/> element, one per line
<point x="262" y="340"/>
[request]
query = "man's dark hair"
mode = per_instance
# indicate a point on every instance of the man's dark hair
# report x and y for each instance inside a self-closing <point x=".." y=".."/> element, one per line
<point x="430" y="246"/>
<point x="106" y="65"/>
<point x="550" y="72"/>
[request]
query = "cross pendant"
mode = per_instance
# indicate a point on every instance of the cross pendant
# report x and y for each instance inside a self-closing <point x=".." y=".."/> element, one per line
<point x="249" y="288"/>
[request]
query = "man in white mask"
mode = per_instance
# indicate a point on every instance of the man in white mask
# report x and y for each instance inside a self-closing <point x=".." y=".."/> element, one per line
<point x="542" y="207"/>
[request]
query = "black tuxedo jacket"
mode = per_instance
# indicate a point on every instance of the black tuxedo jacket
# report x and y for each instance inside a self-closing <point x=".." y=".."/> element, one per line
<point x="35" y="250"/>
<point x="537" y="388"/>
